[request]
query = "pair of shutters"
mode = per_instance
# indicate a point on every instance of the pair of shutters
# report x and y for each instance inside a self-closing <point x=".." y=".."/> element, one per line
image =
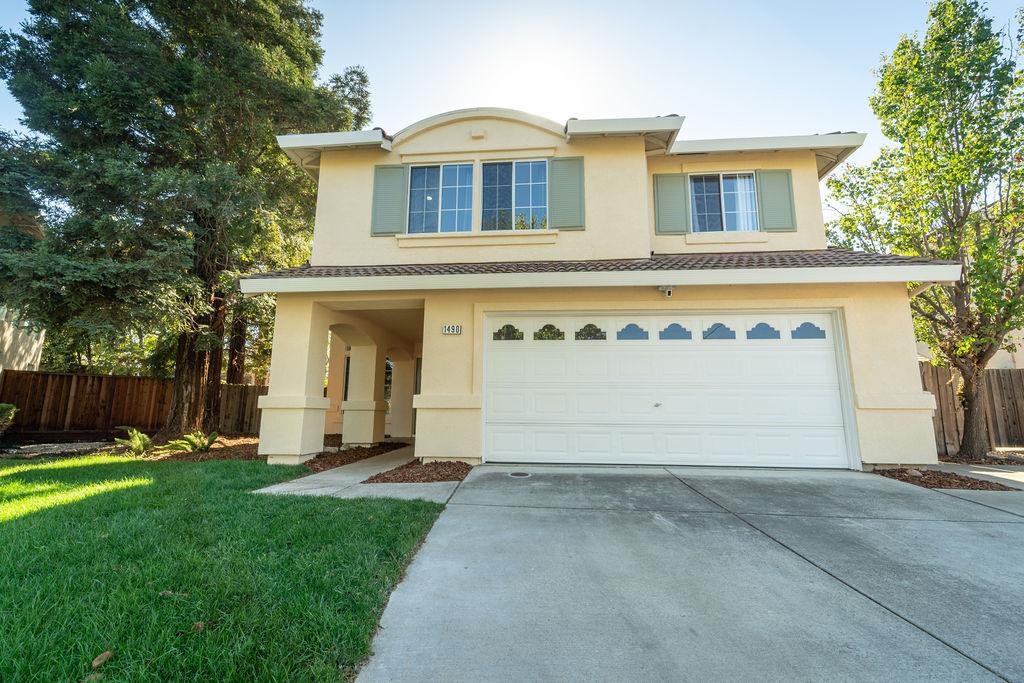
<point x="565" y="196"/>
<point x="774" y="202"/>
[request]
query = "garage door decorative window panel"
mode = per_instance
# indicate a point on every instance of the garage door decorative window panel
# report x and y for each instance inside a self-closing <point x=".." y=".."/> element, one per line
<point x="769" y="395"/>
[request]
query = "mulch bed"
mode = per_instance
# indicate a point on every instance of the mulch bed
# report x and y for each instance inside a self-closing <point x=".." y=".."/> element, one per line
<point x="328" y="461"/>
<point x="416" y="472"/>
<point x="226" y="448"/>
<point x="244" y="448"/>
<point x="935" y="479"/>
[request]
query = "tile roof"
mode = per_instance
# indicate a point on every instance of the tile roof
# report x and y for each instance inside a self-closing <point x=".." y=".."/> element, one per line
<point x="814" y="258"/>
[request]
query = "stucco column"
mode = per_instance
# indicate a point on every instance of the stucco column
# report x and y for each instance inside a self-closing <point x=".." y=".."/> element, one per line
<point x="403" y="385"/>
<point x="292" y="421"/>
<point x="365" y="409"/>
<point x="335" y="384"/>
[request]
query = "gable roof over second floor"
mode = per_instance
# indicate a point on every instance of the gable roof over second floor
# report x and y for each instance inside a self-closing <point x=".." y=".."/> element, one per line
<point x="484" y="185"/>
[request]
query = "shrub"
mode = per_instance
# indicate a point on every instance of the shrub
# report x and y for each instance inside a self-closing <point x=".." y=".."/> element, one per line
<point x="137" y="442"/>
<point x="196" y="442"/>
<point x="7" y="412"/>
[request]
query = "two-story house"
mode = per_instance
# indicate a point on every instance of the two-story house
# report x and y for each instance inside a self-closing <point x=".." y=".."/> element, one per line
<point x="603" y="291"/>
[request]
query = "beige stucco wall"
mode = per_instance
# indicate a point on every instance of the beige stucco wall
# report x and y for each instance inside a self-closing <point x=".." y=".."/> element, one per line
<point x="618" y="199"/>
<point x="20" y="348"/>
<point x="892" y="415"/>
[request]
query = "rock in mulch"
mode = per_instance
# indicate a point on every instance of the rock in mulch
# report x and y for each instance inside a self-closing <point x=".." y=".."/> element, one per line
<point x="936" y="479"/>
<point x="416" y="472"/>
<point x="328" y="461"/>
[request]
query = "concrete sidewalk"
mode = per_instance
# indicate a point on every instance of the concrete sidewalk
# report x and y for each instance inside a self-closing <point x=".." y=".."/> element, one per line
<point x="1008" y="475"/>
<point x="611" y="574"/>
<point x="346" y="481"/>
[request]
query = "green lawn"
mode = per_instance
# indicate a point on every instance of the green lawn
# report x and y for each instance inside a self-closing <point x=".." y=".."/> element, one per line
<point x="113" y="553"/>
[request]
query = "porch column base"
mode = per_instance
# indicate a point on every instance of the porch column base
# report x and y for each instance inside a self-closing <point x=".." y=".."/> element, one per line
<point x="291" y="428"/>
<point x="289" y="459"/>
<point x="364" y="422"/>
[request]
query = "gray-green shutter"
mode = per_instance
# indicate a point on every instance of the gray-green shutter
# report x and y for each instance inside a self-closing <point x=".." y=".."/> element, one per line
<point x="775" y="201"/>
<point x="671" y="203"/>
<point x="565" y="193"/>
<point x="390" y="200"/>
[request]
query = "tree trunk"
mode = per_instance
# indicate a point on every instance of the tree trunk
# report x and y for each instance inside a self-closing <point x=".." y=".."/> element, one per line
<point x="974" y="443"/>
<point x="236" y="349"/>
<point x="214" y="370"/>
<point x="189" y="387"/>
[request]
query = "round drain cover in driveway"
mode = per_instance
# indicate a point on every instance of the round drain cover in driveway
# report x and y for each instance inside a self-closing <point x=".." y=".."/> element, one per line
<point x="518" y="474"/>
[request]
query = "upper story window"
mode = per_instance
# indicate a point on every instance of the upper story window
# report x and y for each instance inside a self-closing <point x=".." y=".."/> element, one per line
<point x="723" y="201"/>
<point x="515" y="195"/>
<point x="441" y="198"/>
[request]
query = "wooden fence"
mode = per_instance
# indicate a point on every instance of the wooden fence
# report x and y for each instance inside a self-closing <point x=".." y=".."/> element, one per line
<point x="67" y="406"/>
<point x="1004" y="407"/>
<point x="238" y="411"/>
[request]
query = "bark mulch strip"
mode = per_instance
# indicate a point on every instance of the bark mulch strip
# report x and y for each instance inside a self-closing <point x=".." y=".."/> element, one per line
<point x="328" y="461"/>
<point x="416" y="472"/>
<point x="226" y="448"/>
<point x="244" y="448"/>
<point x="935" y="479"/>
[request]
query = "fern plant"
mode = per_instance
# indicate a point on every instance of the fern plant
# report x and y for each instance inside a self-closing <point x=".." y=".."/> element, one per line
<point x="137" y="443"/>
<point x="195" y="442"/>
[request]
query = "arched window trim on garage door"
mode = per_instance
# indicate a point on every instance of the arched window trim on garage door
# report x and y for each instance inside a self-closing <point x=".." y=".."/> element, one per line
<point x="808" y="330"/>
<point x="632" y="332"/>
<point x="549" y="332"/>
<point x="508" y="332"/>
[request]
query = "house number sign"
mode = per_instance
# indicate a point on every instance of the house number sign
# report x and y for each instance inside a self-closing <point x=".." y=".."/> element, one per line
<point x="451" y="328"/>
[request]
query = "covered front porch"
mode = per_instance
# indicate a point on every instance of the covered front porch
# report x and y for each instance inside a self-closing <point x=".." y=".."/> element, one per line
<point x="340" y="367"/>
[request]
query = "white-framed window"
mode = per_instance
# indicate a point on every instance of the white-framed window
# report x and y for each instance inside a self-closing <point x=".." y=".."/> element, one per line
<point x="441" y="198"/>
<point x="723" y="202"/>
<point x="515" y="195"/>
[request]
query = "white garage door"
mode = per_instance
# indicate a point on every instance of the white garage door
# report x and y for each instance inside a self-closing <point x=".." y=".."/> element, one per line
<point x="752" y="390"/>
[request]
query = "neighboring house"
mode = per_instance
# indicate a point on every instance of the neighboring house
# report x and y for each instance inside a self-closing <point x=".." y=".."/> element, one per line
<point x="604" y="291"/>
<point x="20" y="347"/>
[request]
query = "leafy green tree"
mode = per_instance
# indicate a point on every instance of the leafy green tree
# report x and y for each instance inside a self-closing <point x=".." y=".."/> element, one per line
<point x="949" y="188"/>
<point x="153" y="165"/>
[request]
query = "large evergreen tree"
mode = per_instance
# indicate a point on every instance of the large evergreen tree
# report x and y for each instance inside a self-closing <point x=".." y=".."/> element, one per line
<point x="154" y="168"/>
<point x="951" y="187"/>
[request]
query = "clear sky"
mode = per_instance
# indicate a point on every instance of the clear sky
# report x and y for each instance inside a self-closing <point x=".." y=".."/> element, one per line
<point x="734" y="68"/>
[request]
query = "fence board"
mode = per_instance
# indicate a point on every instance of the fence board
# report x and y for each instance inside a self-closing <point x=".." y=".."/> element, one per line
<point x="1002" y="399"/>
<point x="56" y="404"/>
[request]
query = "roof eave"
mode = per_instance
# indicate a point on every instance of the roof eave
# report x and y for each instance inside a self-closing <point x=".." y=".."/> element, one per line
<point x="831" y="149"/>
<point x="305" y="149"/>
<point x="659" y="132"/>
<point x="693" y="277"/>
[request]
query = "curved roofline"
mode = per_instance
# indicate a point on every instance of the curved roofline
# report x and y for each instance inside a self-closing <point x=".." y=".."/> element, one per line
<point x="476" y="113"/>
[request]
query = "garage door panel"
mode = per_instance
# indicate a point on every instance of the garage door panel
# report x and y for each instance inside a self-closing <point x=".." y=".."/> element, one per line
<point x="715" y="407"/>
<point x="681" y="443"/>
<point x="592" y="366"/>
<point x="771" y="400"/>
<point x="594" y="444"/>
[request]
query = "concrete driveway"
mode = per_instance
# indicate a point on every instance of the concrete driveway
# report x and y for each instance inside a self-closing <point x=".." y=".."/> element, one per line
<point x="693" y="574"/>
